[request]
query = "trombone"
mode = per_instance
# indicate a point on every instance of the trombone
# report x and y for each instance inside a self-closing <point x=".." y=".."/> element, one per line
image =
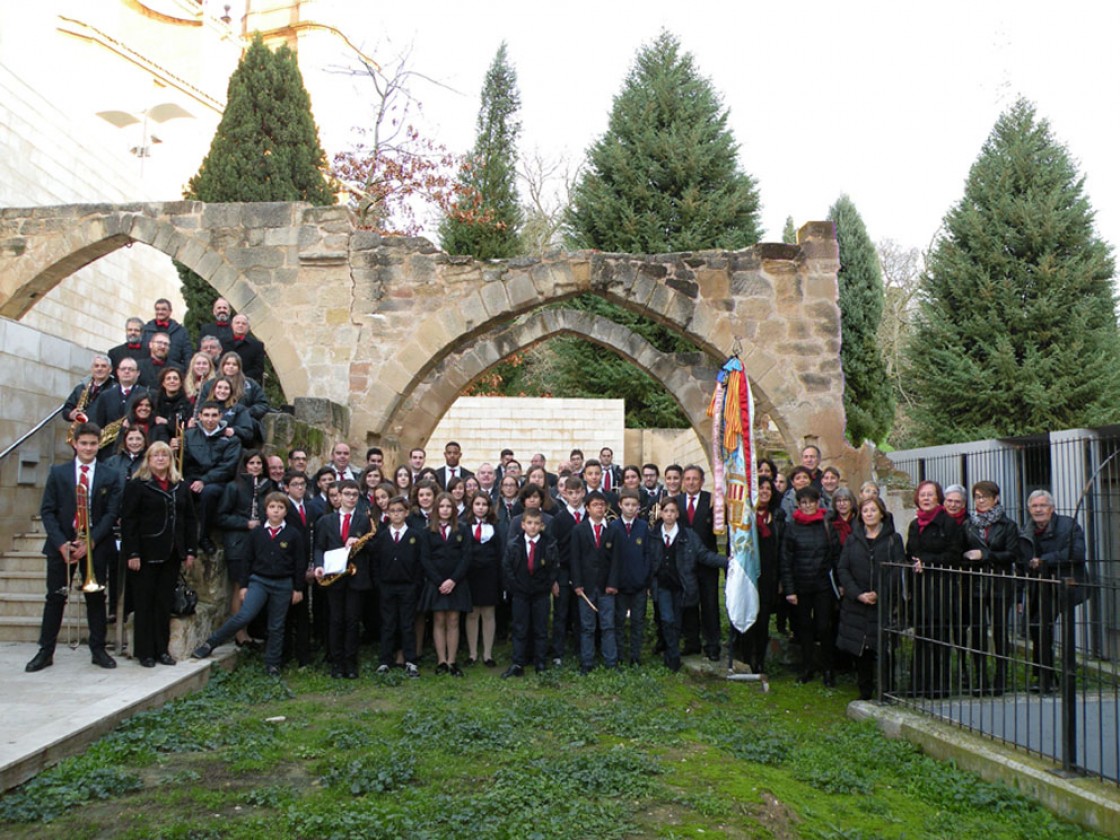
<point x="90" y="584"/>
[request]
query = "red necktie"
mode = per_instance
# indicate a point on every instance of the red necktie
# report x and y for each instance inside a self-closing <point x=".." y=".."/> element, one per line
<point x="628" y="524"/>
<point x="532" y="556"/>
<point x="453" y="472"/>
<point x="607" y="479"/>
<point x="578" y="516"/>
<point x="443" y="532"/>
<point x="81" y="512"/>
<point x="84" y="478"/>
<point x="668" y="542"/>
<point x="691" y="509"/>
<point x="302" y="514"/>
<point x="478" y="532"/>
<point x="273" y="531"/>
<point x="396" y="536"/>
<point x="598" y="536"/>
<point x="345" y="527"/>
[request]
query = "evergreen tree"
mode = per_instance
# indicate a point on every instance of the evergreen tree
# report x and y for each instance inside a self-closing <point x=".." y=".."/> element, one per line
<point x="665" y="175"/>
<point x="1016" y="330"/>
<point x="789" y="232"/>
<point x="868" y="400"/>
<point x="484" y="221"/>
<point x="266" y="148"/>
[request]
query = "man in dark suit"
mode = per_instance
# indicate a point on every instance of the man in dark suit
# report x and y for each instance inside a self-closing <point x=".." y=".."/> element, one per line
<point x="132" y="348"/>
<point x="116" y="401"/>
<point x="88" y="390"/>
<point x="564" y="522"/>
<point x="452" y="454"/>
<point x="488" y="481"/>
<point x="612" y="473"/>
<point x="180" y="352"/>
<point x="696" y="515"/>
<point x="249" y="348"/>
<point x="220" y="327"/>
<point x="67" y="525"/>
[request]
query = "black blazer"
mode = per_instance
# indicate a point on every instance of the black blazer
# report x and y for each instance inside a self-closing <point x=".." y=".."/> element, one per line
<point x="515" y="567"/>
<point x="400" y="563"/>
<point x="592" y="567"/>
<point x="251" y="351"/>
<point x="450" y="559"/>
<point x="703" y="522"/>
<point x="442" y="478"/>
<point x="156" y="524"/>
<point x="112" y="405"/>
<point x="60" y="504"/>
<point x="328" y="535"/>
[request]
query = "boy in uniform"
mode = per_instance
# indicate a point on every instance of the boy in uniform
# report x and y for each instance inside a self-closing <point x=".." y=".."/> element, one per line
<point x="595" y="583"/>
<point x="530" y="566"/>
<point x="629" y="536"/>
<point x="399" y="552"/>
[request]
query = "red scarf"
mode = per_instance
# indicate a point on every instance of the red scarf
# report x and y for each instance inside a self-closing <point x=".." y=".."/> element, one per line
<point x="925" y="517"/>
<point x="842" y="527"/>
<point x="802" y="518"/>
<point x="959" y="518"/>
<point x="762" y="517"/>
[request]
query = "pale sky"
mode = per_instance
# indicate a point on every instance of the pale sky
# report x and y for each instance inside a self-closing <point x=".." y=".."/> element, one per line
<point x="889" y="102"/>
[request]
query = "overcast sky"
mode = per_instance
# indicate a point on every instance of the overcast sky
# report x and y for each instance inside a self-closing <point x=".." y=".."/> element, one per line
<point x="888" y="102"/>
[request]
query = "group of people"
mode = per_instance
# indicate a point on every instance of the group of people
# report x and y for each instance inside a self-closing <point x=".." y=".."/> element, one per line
<point x="167" y="457"/>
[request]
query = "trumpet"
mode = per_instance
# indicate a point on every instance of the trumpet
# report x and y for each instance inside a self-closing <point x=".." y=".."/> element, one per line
<point x="351" y="567"/>
<point x="83" y="516"/>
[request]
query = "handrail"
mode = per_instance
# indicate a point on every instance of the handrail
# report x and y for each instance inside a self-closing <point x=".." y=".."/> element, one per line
<point x="24" y="437"/>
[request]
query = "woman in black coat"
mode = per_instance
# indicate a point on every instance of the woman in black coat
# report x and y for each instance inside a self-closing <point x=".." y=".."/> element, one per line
<point x="935" y="546"/>
<point x="159" y="533"/>
<point x="992" y="550"/>
<point x="863" y="571"/>
<point x="484" y="576"/>
<point x="172" y="407"/>
<point x="240" y="510"/>
<point x="810" y="549"/>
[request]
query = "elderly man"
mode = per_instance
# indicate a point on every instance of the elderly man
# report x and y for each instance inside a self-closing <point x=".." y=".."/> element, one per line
<point x="487" y="478"/>
<point x="180" y="350"/>
<point x="1054" y="548"/>
<point x="212" y="347"/>
<point x="220" y="327"/>
<point x="116" y="400"/>
<point x="133" y="347"/>
<point x="340" y="462"/>
<point x="88" y="390"/>
<point x="811" y="460"/>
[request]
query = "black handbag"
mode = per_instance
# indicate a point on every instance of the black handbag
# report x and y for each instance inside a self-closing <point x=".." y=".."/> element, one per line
<point x="185" y="600"/>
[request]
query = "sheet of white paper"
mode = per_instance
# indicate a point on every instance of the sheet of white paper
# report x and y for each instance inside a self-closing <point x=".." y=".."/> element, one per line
<point x="334" y="561"/>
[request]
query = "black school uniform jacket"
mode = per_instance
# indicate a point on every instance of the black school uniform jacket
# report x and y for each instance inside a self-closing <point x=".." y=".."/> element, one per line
<point x="60" y="504"/>
<point x="450" y="558"/>
<point x="515" y="567"/>
<point x="328" y="536"/>
<point x="400" y="563"/>
<point x="593" y="567"/>
<point x="276" y="558"/>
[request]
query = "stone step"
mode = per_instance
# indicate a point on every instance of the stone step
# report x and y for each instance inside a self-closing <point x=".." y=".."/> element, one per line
<point x="26" y="629"/>
<point x="28" y="542"/>
<point x="23" y="561"/>
<point x="23" y="582"/>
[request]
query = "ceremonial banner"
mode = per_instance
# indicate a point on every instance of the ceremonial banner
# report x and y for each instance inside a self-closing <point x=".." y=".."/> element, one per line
<point x="736" y="489"/>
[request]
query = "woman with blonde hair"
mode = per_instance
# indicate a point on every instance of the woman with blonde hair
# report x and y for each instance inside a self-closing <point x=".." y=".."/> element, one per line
<point x="159" y="533"/>
<point x="200" y="372"/>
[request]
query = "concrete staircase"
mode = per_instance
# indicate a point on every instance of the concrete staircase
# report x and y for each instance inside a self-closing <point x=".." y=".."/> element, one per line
<point x="23" y="589"/>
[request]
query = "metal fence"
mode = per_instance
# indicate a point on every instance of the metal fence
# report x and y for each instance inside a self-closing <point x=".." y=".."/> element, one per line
<point x="1030" y="660"/>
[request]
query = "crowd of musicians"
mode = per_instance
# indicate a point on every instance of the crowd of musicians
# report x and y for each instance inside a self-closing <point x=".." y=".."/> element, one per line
<point x="566" y="563"/>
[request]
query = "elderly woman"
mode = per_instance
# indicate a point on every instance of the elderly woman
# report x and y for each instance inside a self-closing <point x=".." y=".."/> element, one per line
<point x="935" y="545"/>
<point x="872" y="555"/>
<point x="1054" y="550"/>
<point x="992" y="553"/>
<point x="843" y="515"/>
<point x="159" y="533"/>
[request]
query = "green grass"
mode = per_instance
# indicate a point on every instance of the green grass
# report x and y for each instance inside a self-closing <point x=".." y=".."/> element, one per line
<point x="638" y="752"/>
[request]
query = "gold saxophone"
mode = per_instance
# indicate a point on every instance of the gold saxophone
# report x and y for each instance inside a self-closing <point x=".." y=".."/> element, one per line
<point x="83" y="401"/>
<point x="109" y="433"/>
<point x="351" y="567"/>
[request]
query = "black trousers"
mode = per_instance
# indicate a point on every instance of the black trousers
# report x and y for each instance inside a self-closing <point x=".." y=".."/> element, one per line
<point x="59" y="581"/>
<point x="153" y="588"/>
<point x="346" y="612"/>
<point x="814" y="616"/>
<point x="703" y="618"/>
<point x="398" y="621"/>
<point x="530" y="619"/>
<point x="561" y="619"/>
<point x="297" y="631"/>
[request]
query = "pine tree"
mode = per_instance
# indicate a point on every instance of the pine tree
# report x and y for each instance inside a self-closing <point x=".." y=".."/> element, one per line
<point x="665" y="175"/>
<point x="868" y="400"/>
<point x="1016" y="330"/>
<point x="484" y="221"/>
<point x="266" y="148"/>
<point x="789" y="232"/>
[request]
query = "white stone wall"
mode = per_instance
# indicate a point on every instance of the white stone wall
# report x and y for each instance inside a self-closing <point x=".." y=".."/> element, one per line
<point x="484" y="426"/>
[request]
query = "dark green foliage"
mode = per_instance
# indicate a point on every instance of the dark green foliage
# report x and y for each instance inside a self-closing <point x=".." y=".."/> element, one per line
<point x="789" y="232"/>
<point x="1016" y="329"/>
<point x="484" y="220"/>
<point x="665" y="175"/>
<point x="266" y="148"/>
<point x="372" y="773"/>
<point x="868" y="399"/>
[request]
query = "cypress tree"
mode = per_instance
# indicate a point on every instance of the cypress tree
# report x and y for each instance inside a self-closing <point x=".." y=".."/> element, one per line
<point x="1016" y="328"/>
<point x="868" y="400"/>
<point x="266" y="148"/>
<point x="665" y="175"/>
<point x="484" y="221"/>
<point x="789" y="232"/>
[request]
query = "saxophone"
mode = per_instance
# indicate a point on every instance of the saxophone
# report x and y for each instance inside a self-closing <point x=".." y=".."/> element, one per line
<point x="351" y="567"/>
<point x="82" y="417"/>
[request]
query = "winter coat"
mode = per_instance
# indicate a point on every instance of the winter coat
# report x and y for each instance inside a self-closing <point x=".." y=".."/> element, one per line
<point x="688" y="552"/>
<point x="861" y="570"/>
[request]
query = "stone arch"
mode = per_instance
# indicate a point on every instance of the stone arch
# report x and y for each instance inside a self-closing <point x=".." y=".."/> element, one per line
<point x="688" y="377"/>
<point x="51" y="243"/>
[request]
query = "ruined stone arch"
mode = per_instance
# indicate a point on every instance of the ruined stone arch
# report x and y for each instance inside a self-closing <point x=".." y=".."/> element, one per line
<point x="688" y="377"/>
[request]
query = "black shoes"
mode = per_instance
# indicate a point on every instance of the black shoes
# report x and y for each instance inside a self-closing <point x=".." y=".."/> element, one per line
<point x="43" y="659"/>
<point x="828" y="679"/>
<point x="441" y="668"/>
<point x="165" y="659"/>
<point x="272" y="671"/>
<point x="207" y="546"/>
<point x="202" y="651"/>
<point x="147" y="662"/>
<point x="455" y="670"/>
<point x="99" y="657"/>
<point x="490" y="663"/>
<point x="513" y="671"/>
